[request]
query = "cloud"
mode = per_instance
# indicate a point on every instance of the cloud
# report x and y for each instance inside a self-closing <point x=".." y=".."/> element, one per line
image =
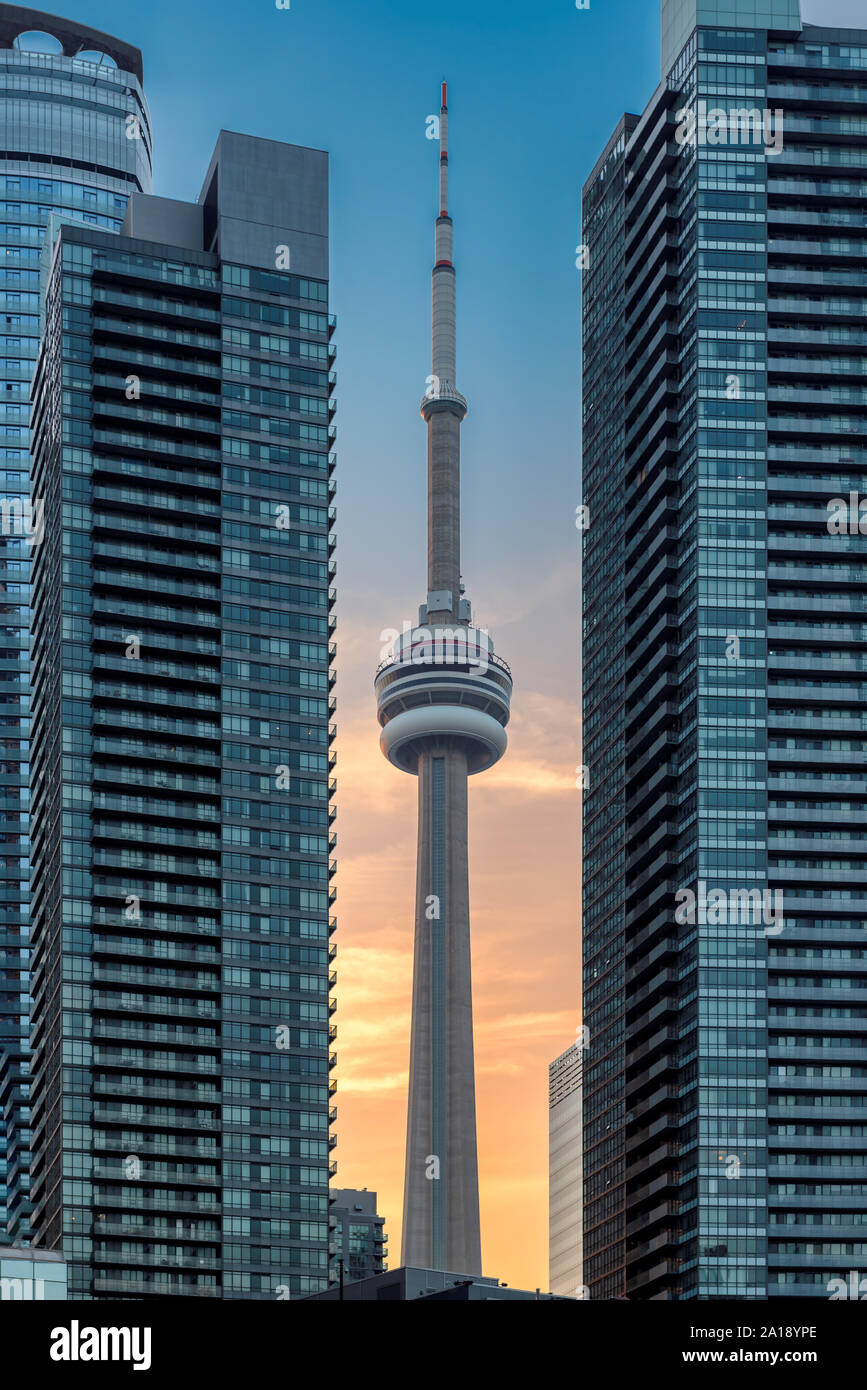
<point x="362" y="1084"/>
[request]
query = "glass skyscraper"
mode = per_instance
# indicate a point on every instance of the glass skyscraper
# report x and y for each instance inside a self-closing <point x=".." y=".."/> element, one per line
<point x="75" y="137"/>
<point x="182" y="760"/>
<point x="725" y="667"/>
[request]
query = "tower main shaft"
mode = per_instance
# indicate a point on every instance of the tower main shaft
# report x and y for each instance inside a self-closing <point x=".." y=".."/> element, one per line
<point x="441" y="1182"/>
<point x="443" y="701"/>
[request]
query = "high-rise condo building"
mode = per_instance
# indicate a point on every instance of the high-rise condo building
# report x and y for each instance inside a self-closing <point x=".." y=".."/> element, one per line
<point x="357" y="1234"/>
<point x="182" y="768"/>
<point x="443" y="702"/>
<point x="725" y="558"/>
<point x="75" y="137"/>
<point x="565" y="1142"/>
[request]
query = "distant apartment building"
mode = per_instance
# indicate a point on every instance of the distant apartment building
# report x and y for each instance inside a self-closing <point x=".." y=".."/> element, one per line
<point x="565" y="1137"/>
<point x="181" y="1098"/>
<point x="357" y="1234"/>
<point x="725" y="694"/>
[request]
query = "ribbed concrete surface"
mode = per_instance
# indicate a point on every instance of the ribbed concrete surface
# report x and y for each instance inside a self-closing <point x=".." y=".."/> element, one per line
<point x="441" y="1213"/>
<point x="444" y="506"/>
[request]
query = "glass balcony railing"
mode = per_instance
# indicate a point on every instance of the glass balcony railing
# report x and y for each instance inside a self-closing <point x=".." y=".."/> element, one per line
<point x="189" y="506"/>
<point x="173" y="308"/>
<point x="109" y="324"/>
<point x="158" y="950"/>
<point x="162" y="1033"/>
<point x="133" y="748"/>
<point x="150" y="806"/>
<point x="145" y="667"/>
<point x="140" y="358"/>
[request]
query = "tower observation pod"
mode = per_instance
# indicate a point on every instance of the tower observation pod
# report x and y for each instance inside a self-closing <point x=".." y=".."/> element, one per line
<point x="443" y="701"/>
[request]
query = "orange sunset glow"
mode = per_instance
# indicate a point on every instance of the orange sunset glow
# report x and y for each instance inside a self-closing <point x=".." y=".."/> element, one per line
<point x="523" y="899"/>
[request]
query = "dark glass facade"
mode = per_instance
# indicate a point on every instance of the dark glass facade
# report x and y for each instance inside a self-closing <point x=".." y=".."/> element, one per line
<point x="725" y="1085"/>
<point x="74" y="137"/>
<point x="183" y="767"/>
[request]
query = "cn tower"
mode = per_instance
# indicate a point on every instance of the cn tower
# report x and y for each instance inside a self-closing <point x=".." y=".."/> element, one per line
<point x="443" y="702"/>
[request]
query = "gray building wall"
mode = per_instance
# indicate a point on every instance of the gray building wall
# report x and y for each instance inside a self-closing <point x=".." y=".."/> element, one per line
<point x="259" y="194"/>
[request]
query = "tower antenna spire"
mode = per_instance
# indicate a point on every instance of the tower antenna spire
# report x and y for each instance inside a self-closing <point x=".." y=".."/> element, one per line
<point x="444" y="153"/>
<point x="443" y="409"/>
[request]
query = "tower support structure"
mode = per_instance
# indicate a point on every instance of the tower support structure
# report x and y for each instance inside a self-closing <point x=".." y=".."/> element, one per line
<point x="443" y="703"/>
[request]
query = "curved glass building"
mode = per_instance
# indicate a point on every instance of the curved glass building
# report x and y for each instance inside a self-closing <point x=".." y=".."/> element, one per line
<point x="75" y="138"/>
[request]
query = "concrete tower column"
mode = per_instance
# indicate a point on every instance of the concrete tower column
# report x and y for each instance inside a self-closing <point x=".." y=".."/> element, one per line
<point x="443" y="701"/>
<point x="441" y="1192"/>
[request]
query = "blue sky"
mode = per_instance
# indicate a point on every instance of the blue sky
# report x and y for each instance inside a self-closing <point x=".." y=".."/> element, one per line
<point x="534" y="91"/>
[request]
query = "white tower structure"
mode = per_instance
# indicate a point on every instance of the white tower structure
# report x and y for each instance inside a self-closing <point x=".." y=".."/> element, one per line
<point x="443" y="701"/>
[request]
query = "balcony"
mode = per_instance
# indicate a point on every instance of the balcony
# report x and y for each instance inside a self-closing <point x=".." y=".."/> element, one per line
<point x="155" y="1004"/>
<point x="116" y="1283"/>
<point x="153" y="1147"/>
<point x="139" y="1260"/>
<point x="189" y="1173"/>
<point x="186" y="952"/>
<point x="123" y="327"/>
<point x="121" y="974"/>
<point x="156" y="752"/>
<point x="160" y="921"/>
<point x="131" y="496"/>
<point x="118" y="1057"/>
<point x="130" y="1200"/>
<point x="187" y="310"/>
<point x="150" y="1116"/>
<point x="151" y="806"/>
<point x="115" y="1029"/>
<point x="141" y="1090"/>
<point x="158" y="1231"/>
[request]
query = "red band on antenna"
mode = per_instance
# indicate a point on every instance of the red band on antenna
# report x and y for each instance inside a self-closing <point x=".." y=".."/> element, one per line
<point x="444" y="97"/>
